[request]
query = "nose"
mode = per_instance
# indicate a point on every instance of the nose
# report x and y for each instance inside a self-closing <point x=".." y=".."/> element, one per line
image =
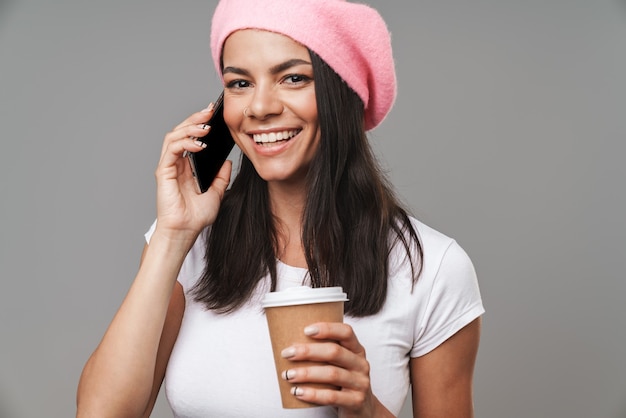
<point x="264" y="103"/>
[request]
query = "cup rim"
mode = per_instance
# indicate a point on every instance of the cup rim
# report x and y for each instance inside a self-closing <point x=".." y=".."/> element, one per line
<point x="303" y="295"/>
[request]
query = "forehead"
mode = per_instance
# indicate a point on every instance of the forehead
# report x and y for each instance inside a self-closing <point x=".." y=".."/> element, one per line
<point x="254" y="47"/>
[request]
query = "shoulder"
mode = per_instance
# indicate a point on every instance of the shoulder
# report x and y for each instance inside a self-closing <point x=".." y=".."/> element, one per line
<point x="442" y="251"/>
<point x="438" y="250"/>
<point x="445" y="296"/>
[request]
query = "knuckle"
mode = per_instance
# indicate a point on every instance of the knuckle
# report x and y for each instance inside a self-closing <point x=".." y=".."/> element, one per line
<point x="169" y="137"/>
<point x="302" y="350"/>
<point x="303" y="374"/>
<point x="348" y="331"/>
<point x="332" y="397"/>
<point x="334" y="374"/>
<point x="335" y="350"/>
<point x="364" y="383"/>
<point x="366" y="368"/>
<point x="359" y="399"/>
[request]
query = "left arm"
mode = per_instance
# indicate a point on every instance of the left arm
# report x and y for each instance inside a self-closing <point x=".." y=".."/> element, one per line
<point x="441" y="380"/>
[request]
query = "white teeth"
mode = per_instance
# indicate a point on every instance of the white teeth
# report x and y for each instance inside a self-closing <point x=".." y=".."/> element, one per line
<point x="273" y="136"/>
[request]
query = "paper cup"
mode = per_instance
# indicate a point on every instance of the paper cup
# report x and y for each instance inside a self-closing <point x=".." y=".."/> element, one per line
<point x="288" y="313"/>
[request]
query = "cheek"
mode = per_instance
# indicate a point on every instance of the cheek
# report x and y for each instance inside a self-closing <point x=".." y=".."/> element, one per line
<point x="312" y="110"/>
<point x="232" y="115"/>
<point x="307" y="108"/>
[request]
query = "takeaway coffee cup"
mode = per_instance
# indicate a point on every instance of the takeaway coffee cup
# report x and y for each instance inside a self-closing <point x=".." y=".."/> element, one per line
<point x="288" y="312"/>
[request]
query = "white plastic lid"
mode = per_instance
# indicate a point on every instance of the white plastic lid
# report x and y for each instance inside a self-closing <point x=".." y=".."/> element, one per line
<point x="302" y="295"/>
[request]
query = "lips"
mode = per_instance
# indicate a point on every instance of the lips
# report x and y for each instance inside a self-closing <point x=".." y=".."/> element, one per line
<point x="271" y="137"/>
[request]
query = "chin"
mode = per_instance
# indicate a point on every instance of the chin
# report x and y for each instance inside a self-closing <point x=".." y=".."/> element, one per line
<point x="281" y="176"/>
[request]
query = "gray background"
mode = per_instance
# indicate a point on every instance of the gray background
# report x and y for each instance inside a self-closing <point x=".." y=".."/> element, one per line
<point x="507" y="134"/>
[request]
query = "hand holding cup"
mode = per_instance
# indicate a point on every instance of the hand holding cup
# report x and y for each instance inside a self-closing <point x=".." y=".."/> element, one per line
<point x="289" y="313"/>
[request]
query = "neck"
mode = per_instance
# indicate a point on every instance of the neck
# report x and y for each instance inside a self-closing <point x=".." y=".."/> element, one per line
<point x="287" y="204"/>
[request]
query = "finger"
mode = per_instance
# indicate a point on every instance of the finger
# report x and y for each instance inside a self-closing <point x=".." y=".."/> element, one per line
<point x="327" y="352"/>
<point x="187" y="132"/>
<point x="199" y="117"/>
<point x="350" y="399"/>
<point x="336" y="331"/>
<point x="328" y="374"/>
<point x="174" y="151"/>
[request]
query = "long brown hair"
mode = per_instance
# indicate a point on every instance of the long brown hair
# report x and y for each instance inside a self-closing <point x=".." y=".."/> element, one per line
<point x="351" y="220"/>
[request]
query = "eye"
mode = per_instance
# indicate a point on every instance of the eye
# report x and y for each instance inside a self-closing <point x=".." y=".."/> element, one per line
<point x="297" y="79"/>
<point x="237" y="84"/>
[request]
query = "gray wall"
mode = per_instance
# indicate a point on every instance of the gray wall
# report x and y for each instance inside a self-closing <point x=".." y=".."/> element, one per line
<point x="507" y="134"/>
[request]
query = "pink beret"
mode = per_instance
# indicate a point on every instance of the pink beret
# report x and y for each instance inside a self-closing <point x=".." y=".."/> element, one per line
<point x="351" y="38"/>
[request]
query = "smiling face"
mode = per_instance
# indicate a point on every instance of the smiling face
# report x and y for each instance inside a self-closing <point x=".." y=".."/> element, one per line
<point x="270" y="78"/>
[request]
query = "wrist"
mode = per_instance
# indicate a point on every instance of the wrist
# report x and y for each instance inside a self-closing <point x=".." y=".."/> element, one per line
<point x="173" y="241"/>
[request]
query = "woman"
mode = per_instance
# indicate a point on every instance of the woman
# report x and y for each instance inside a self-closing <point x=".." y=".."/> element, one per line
<point x="303" y="81"/>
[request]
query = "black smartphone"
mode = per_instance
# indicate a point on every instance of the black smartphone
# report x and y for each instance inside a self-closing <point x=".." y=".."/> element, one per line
<point x="206" y="163"/>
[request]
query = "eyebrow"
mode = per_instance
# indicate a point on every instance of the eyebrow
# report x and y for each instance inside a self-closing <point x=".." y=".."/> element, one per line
<point x="273" y="70"/>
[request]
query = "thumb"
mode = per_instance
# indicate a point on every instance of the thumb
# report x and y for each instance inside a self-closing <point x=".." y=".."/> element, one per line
<point x="222" y="179"/>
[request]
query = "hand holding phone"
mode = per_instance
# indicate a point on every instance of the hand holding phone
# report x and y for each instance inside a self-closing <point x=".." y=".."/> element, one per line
<point x="205" y="164"/>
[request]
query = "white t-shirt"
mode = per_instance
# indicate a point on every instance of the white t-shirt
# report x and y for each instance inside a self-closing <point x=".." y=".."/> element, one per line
<point x="222" y="364"/>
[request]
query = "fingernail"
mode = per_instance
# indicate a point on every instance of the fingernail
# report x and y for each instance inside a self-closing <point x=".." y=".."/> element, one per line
<point x="311" y="330"/>
<point x="289" y="374"/>
<point x="209" y="108"/>
<point x="297" y="391"/>
<point x="288" y="352"/>
<point x="200" y="144"/>
<point x="204" y="126"/>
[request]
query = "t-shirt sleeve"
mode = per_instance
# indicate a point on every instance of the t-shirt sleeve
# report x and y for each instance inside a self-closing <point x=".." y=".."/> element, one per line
<point x="150" y="231"/>
<point x="454" y="301"/>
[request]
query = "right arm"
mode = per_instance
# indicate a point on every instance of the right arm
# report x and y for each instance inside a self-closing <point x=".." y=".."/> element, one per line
<point x="123" y="375"/>
<point x="119" y="377"/>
